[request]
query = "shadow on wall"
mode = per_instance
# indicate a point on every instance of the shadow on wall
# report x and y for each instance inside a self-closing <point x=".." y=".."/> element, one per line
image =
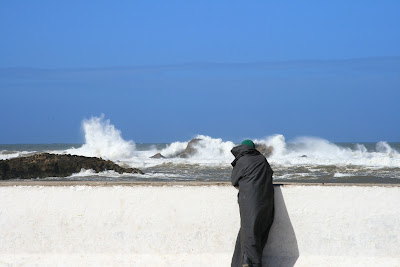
<point x="281" y="248"/>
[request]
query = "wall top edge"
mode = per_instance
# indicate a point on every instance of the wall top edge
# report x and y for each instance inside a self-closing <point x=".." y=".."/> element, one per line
<point x="171" y="183"/>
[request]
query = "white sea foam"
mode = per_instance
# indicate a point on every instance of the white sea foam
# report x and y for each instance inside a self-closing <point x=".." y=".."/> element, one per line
<point x="385" y="148"/>
<point x="174" y="149"/>
<point x="112" y="174"/>
<point x="209" y="148"/>
<point x="277" y="142"/>
<point x="84" y="173"/>
<point x="339" y="175"/>
<point x="9" y="155"/>
<point x="92" y="173"/>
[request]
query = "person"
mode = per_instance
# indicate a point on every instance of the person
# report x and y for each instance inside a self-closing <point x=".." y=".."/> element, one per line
<point x="252" y="175"/>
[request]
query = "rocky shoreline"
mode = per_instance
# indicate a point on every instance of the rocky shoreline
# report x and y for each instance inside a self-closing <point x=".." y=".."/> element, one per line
<point x="53" y="165"/>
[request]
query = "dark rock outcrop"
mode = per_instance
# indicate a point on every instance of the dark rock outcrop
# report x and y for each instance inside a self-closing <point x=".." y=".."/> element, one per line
<point x="190" y="148"/>
<point x="157" y="156"/>
<point x="53" y="165"/>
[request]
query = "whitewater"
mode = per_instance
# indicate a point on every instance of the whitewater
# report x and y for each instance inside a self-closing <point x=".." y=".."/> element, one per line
<point x="304" y="159"/>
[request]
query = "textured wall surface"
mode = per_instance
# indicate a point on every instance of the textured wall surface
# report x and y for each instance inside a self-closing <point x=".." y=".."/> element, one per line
<point x="194" y="226"/>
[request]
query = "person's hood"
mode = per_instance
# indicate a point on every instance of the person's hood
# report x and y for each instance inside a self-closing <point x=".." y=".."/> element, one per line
<point x="240" y="151"/>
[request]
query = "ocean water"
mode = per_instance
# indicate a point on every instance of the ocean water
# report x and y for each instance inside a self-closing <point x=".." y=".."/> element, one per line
<point x="305" y="159"/>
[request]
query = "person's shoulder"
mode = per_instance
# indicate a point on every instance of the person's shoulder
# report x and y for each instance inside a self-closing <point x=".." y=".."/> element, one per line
<point x="262" y="158"/>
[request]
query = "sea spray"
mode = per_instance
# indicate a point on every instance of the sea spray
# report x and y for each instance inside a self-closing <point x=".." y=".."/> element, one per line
<point x="212" y="148"/>
<point x="318" y="148"/>
<point x="205" y="150"/>
<point x="384" y="147"/>
<point x="277" y="142"/>
<point x="174" y="148"/>
<point x="103" y="140"/>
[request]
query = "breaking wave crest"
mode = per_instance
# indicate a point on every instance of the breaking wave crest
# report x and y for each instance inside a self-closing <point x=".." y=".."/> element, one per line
<point x="103" y="140"/>
<point x="205" y="148"/>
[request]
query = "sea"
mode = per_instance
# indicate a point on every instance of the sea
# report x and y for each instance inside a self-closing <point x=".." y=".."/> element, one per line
<point x="301" y="160"/>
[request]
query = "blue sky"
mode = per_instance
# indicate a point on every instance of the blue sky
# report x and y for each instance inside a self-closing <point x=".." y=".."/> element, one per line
<point x="164" y="71"/>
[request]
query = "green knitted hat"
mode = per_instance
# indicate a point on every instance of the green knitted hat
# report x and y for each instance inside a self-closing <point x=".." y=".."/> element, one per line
<point x="249" y="143"/>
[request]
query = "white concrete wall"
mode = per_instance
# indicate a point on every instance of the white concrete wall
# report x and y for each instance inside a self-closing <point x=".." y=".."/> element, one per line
<point x="194" y="226"/>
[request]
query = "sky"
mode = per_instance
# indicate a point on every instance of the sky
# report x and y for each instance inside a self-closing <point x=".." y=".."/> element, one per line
<point x="164" y="71"/>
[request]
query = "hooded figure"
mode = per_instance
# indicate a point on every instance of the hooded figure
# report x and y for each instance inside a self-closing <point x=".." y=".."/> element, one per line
<point x="252" y="175"/>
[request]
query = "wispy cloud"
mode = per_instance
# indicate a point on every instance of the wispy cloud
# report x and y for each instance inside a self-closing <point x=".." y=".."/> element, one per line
<point x="357" y="64"/>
